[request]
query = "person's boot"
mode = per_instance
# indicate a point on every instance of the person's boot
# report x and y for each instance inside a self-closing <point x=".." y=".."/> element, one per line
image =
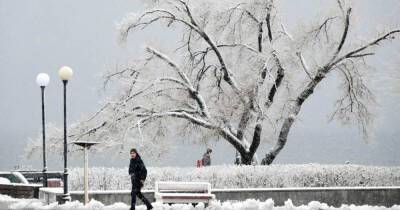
<point x="148" y="205"/>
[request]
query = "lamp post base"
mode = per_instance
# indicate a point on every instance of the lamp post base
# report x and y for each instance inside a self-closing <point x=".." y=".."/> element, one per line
<point x="45" y="177"/>
<point x="66" y="193"/>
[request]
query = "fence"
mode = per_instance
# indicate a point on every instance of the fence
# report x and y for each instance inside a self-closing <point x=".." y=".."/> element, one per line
<point x="20" y="190"/>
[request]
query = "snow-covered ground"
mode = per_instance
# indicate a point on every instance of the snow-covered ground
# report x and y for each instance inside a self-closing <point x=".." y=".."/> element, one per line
<point x="9" y="203"/>
<point x="221" y="177"/>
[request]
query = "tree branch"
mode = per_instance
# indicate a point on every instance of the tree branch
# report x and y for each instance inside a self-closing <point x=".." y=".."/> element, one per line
<point x="193" y="92"/>
<point x="256" y="139"/>
<point x="375" y="42"/>
<point x="181" y="114"/>
<point x="303" y="64"/>
<point x="308" y="91"/>
<point x="244" y="120"/>
<point x="260" y="36"/>
<point x="228" y="75"/>
<point x="233" y="140"/>
<point x="278" y="80"/>
<point x="268" y="20"/>
<point x="329" y="66"/>
<point x="344" y="35"/>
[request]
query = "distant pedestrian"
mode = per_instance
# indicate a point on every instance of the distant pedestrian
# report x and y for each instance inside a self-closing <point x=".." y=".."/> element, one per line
<point x="138" y="173"/>
<point x="238" y="159"/>
<point x="207" y="158"/>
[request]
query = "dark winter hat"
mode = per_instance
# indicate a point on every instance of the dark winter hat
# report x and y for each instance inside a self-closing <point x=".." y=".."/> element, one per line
<point x="209" y="150"/>
<point x="134" y="150"/>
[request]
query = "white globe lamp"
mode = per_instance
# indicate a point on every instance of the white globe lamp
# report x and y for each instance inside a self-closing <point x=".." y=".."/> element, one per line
<point x="65" y="73"/>
<point x="42" y="79"/>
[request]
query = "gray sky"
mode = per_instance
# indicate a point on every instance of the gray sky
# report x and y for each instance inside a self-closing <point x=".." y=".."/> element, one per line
<point x="41" y="36"/>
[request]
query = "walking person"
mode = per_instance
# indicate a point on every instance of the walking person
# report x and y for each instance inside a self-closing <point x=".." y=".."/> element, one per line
<point x="138" y="173"/>
<point x="207" y="158"/>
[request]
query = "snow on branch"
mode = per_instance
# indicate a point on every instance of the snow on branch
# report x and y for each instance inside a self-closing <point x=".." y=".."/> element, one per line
<point x="179" y="114"/>
<point x="170" y="63"/>
<point x="193" y="92"/>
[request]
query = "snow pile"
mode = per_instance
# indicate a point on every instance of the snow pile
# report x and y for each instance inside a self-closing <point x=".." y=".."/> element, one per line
<point x="4" y="181"/>
<point x="222" y="177"/>
<point x="9" y="203"/>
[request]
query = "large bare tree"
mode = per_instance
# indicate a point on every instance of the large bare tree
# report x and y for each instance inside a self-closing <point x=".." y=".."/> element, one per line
<point x="238" y="74"/>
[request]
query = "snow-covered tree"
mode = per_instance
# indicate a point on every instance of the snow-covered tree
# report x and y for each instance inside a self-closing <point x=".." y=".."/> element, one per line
<point x="238" y="74"/>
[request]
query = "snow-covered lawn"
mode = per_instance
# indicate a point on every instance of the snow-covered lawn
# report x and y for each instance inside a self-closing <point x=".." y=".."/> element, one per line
<point x="8" y="203"/>
<point x="221" y="177"/>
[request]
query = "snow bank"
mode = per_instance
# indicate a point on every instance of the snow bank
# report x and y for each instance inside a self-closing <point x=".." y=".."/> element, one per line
<point x="9" y="203"/>
<point x="221" y="177"/>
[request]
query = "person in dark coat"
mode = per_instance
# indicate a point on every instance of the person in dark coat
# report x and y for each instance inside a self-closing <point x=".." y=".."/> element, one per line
<point x="138" y="173"/>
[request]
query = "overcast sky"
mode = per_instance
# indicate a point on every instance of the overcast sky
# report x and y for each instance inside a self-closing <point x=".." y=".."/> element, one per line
<point x="43" y="35"/>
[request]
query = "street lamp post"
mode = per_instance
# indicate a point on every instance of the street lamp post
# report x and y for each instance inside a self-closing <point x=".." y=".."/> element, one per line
<point x="43" y="80"/>
<point x="65" y="74"/>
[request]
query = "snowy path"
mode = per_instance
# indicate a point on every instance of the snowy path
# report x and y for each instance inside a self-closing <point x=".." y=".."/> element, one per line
<point x="8" y="203"/>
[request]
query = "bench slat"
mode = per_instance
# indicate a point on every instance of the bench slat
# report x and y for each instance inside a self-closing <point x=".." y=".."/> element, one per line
<point x="182" y="187"/>
<point x="178" y="192"/>
<point x="184" y="194"/>
<point x="187" y="197"/>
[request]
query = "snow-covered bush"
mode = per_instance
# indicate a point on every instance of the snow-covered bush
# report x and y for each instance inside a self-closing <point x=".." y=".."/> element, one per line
<point x="9" y="203"/>
<point x="309" y="175"/>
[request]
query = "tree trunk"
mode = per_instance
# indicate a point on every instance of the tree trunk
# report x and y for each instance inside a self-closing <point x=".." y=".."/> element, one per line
<point x="282" y="139"/>
<point x="287" y="124"/>
<point x="246" y="158"/>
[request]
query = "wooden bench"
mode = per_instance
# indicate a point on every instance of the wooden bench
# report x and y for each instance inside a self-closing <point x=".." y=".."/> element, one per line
<point x="183" y="192"/>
